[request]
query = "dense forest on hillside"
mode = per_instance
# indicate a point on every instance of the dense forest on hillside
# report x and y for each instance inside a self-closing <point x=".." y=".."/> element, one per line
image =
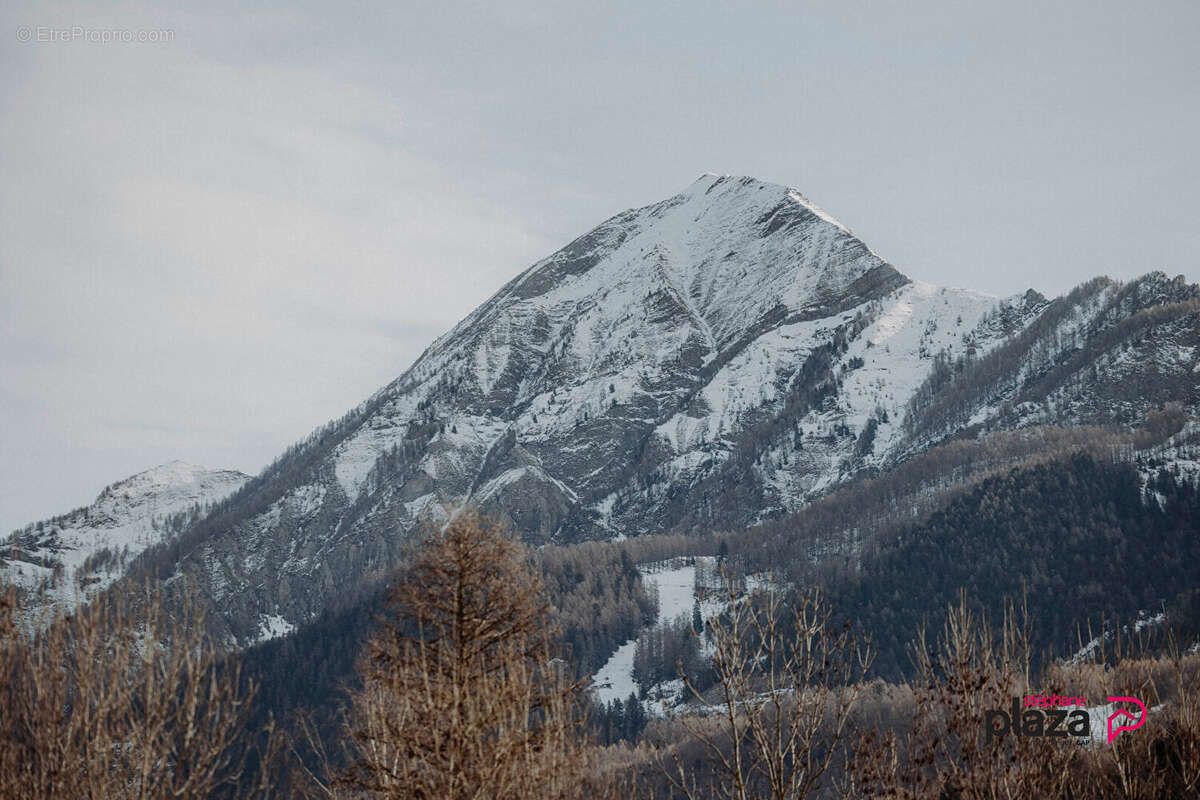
<point x="1076" y="541"/>
<point x="807" y="721"/>
<point x="873" y="507"/>
<point x="595" y="590"/>
<point x="1082" y="527"/>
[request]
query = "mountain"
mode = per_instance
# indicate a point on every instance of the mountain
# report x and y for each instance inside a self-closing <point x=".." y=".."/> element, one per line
<point x="712" y="361"/>
<point x="1104" y="353"/>
<point x="84" y="550"/>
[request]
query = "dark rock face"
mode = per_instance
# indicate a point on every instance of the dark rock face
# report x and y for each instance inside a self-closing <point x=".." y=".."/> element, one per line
<point x="711" y="360"/>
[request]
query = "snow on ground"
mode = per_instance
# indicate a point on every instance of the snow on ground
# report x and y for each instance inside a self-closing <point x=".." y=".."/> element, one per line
<point x="898" y="349"/>
<point x="1144" y="620"/>
<point x="676" y="582"/>
<point x="272" y="626"/>
<point x="614" y="681"/>
<point x="882" y="369"/>
<point x="676" y="589"/>
<point x="665" y="696"/>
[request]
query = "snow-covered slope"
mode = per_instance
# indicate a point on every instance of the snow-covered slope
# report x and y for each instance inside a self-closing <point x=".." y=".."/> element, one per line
<point x="66" y="557"/>
<point x="711" y="360"/>
<point x="680" y="585"/>
<point x="1105" y="353"/>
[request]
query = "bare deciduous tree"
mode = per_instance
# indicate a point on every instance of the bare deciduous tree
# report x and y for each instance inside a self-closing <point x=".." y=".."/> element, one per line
<point x="967" y="672"/>
<point x="788" y="681"/>
<point x="970" y="669"/>
<point x="123" y="700"/>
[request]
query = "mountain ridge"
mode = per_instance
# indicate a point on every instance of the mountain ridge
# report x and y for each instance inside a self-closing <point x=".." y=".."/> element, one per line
<point x="72" y="555"/>
<point x="709" y="361"/>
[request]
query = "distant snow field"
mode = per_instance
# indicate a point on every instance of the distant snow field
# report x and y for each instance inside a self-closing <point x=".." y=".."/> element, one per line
<point x="675" y="582"/>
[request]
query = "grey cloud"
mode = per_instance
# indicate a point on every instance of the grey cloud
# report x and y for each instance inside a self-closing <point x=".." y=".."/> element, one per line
<point x="211" y="245"/>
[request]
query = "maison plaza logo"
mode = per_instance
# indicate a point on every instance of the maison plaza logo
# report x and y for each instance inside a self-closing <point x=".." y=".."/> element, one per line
<point x="1060" y="717"/>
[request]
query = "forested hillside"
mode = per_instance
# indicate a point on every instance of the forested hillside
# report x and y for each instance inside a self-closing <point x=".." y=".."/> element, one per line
<point x="1074" y="541"/>
<point x="595" y="591"/>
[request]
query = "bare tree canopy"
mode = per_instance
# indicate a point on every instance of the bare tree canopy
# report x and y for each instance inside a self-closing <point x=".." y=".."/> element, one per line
<point x="462" y="695"/>
<point x="125" y="700"/>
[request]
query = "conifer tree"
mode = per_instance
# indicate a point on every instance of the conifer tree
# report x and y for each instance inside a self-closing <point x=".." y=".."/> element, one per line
<point x="462" y="695"/>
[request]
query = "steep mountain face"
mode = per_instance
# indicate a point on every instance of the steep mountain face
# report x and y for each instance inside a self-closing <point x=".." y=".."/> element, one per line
<point x="718" y="356"/>
<point x="77" y="553"/>
<point x="621" y="370"/>
<point x="712" y="360"/>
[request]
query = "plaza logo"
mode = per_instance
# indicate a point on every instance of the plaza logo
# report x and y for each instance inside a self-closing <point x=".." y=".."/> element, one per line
<point x="1138" y="721"/>
<point x="1059" y="717"/>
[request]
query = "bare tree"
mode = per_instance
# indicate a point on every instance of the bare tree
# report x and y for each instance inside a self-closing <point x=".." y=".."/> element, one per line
<point x="972" y="669"/>
<point x="461" y="694"/>
<point x="123" y="700"/>
<point x="788" y="681"/>
<point x="967" y="671"/>
<point x="1161" y="759"/>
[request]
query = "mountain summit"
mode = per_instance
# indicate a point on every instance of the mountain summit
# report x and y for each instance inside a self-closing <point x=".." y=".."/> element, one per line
<point x="709" y="361"/>
<point x="714" y="358"/>
<point x="726" y="252"/>
<point x="74" y="554"/>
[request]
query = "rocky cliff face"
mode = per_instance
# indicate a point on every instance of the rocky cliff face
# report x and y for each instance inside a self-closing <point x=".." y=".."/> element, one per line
<point x="708" y="361"/>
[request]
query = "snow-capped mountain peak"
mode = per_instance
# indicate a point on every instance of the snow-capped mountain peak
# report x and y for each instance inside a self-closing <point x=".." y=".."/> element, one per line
<point x="710" y="180"/>
<point x="615" y="386"/>
<point x="78" y="552"/>
<point x="710" y="361"/>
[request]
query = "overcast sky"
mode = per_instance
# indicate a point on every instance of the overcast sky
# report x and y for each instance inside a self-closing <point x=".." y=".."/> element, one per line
<point x="210" y="245"/>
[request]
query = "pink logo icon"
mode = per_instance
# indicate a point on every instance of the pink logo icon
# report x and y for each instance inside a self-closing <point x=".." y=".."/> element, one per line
<point x="1115" y="731"/>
